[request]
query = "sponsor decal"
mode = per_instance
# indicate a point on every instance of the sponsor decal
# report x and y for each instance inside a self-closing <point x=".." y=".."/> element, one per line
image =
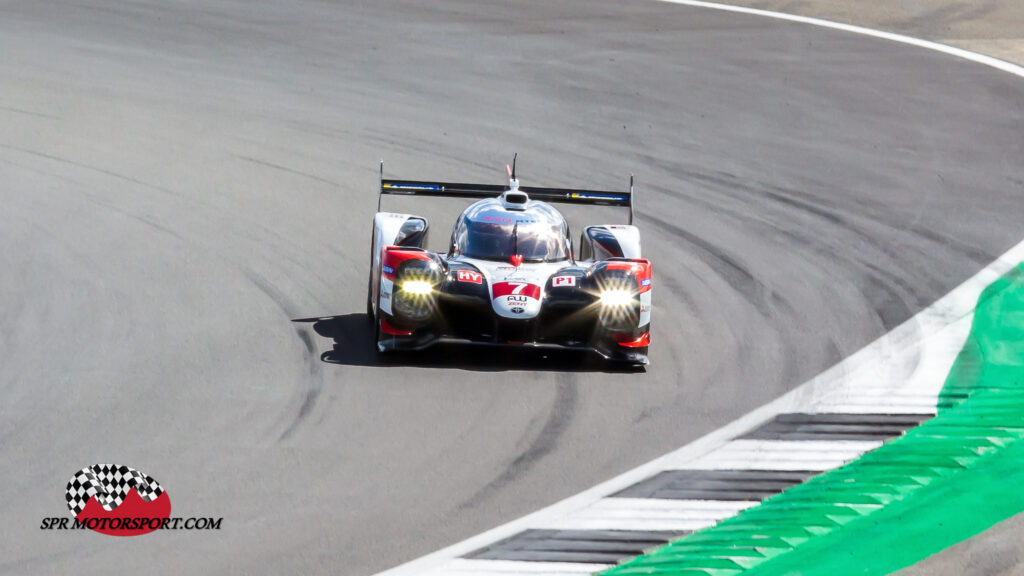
<point x="388" y="269"/>
<point x="470" y="276"/>
<point x="597" y="196"/>
<point x="408" y="186"/>
<point x="120" y="501"/>
<point x="645" y="282"/>
<point x="563" y="281"/>
<point x="501" y="219"/>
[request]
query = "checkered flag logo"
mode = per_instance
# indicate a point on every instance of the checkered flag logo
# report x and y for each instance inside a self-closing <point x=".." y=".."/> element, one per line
<point x="110" y="484"/>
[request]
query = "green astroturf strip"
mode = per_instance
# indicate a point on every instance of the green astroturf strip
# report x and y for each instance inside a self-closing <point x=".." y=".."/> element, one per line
<point x="940" y="483"/>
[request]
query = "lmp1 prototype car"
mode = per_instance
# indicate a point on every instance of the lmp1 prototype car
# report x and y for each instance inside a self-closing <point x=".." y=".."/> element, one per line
<point x="510" y="276"/>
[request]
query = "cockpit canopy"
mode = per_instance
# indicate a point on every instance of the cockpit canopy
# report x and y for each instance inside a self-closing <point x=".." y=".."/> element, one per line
<point x="488" y="231"/>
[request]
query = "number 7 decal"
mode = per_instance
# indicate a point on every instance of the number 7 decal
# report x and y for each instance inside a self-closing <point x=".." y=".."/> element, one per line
<point x="516" y="289"/>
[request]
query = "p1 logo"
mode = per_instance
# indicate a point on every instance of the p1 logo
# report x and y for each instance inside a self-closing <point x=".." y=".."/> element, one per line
<point x="117" y="500"/>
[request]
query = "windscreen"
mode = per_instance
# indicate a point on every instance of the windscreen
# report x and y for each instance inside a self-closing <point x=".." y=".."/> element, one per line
<point x="535" y="241"/>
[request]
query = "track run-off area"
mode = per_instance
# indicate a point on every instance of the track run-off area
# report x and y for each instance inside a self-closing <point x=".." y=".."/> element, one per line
<point x="182" y="182"/>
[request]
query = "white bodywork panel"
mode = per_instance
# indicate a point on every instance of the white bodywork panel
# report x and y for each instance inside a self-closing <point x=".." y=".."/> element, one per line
<point x="627" y="236"/>
<point x="387" y="287"/>
<point x="386" y="226"/>
<point x="645" y="308"/>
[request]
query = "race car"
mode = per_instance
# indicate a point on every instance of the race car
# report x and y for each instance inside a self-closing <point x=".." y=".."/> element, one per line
<point x="510" y="276"/>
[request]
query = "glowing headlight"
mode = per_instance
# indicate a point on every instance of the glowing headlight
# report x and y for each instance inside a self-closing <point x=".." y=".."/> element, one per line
<point x="616" y="298"/>
<point x="419" y="287"/>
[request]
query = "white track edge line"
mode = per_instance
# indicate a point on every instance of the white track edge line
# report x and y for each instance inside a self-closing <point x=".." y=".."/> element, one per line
<point x="950" y="305"/>
<point x="892" y="36"/>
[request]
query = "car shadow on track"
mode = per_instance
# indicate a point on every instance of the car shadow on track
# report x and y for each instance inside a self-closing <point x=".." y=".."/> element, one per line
<point x="353" y="339"/>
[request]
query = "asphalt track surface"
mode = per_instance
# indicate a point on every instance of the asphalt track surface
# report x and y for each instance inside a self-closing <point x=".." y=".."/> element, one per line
<point x="180" y="181"/>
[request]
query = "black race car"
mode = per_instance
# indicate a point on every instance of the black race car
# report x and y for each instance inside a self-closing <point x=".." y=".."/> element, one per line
<point x="510" y="276"/>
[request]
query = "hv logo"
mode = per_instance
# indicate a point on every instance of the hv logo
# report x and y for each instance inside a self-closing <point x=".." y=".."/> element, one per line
<point x="470" y="276"/>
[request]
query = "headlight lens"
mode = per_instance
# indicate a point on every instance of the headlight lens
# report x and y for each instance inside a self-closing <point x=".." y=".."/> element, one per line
<point x="615" y="297"/>
<point x="417" y="287"/>
<point x="414" y="298"/>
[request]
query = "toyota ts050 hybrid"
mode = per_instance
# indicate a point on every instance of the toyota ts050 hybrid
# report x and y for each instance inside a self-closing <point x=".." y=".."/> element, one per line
<point x="510" y="276"/>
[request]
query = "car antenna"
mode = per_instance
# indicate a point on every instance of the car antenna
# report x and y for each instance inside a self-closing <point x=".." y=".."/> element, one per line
<point x="513" y="184"/>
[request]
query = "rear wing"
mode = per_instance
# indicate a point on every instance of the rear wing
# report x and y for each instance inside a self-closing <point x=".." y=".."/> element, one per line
<point x="463" y="190"/>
